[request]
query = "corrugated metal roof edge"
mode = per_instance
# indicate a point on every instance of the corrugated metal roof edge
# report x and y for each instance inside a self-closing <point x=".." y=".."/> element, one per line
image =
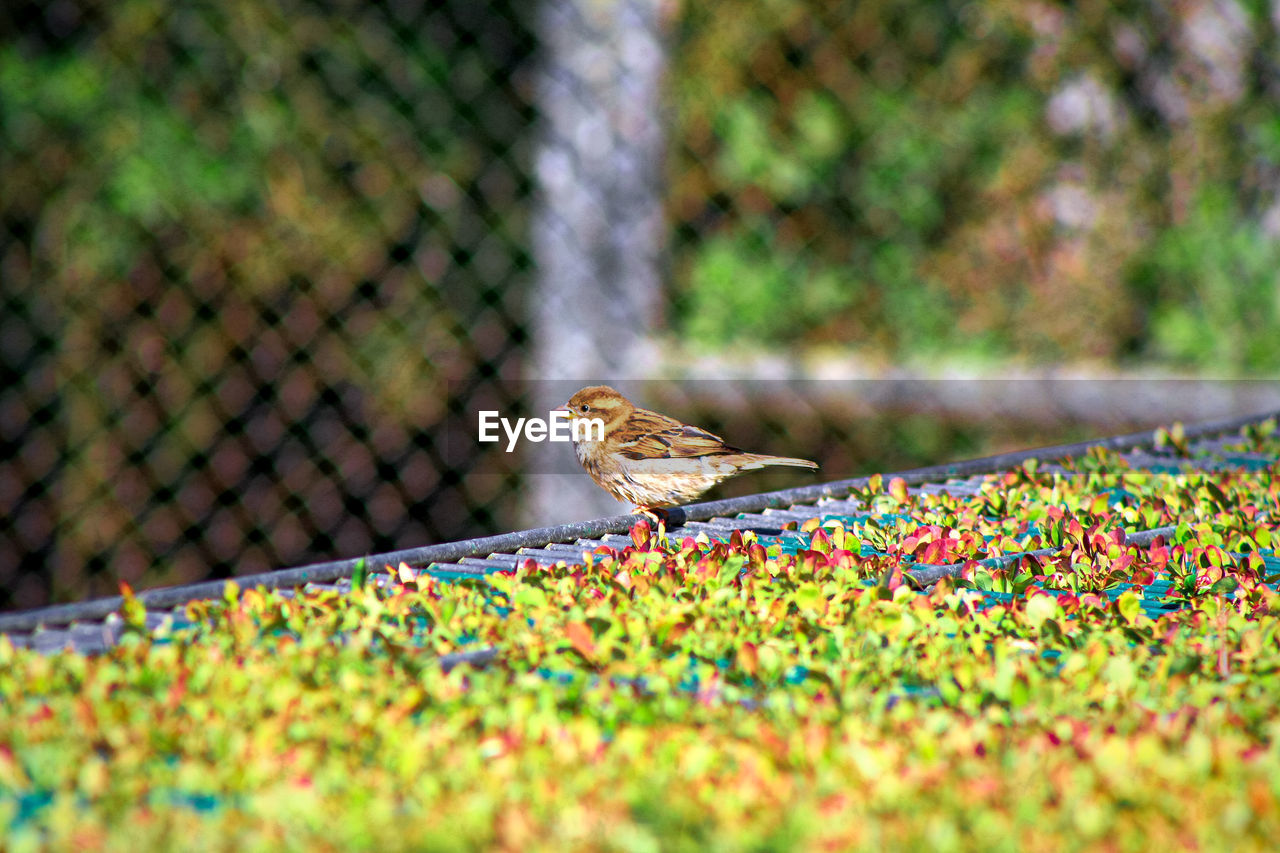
<point x="447" y="552"/>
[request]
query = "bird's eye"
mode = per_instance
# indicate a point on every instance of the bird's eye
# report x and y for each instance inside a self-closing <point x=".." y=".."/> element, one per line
<point x="584" y="408"/>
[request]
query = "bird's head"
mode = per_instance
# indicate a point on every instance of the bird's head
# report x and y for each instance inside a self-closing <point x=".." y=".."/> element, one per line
<point x="600" y="401"/>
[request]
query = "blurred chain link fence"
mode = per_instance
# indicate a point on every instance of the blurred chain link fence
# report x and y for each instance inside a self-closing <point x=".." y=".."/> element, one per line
<point x="259" y="257"/>
<point x="244" y="246"/>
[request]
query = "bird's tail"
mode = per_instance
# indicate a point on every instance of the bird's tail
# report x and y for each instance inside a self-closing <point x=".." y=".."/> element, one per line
<point x="759" y="461"/>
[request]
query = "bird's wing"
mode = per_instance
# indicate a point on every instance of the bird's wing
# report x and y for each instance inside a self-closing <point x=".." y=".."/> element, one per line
<point x="649" y="435"/>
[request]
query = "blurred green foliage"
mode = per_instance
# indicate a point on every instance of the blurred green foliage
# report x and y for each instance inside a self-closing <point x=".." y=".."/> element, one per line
<point x="1045" y="181"/>
<point x="1218" y="269"/>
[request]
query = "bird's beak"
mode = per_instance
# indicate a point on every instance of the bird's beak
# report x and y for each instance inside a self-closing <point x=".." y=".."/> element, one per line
<point x="562" y="412"/>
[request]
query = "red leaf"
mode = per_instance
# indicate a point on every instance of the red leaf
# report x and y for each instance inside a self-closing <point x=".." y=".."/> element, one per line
<point x="934" y="552"/>
<point x="809" y="561"/>
<point x="820" y="541"/>
<point x="842" y="558"/>
<point x="581" y="639"/>
<point x="748" y="658"/>
<point x="898" y="488"/>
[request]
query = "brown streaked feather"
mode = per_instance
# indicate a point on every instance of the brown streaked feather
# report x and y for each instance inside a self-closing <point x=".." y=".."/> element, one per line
<point x="649" y="435"/>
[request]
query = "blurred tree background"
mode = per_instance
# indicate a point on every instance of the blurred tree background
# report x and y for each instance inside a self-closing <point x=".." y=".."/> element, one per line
<point x="1039" y="181"/>
<point x="260" y="258"/>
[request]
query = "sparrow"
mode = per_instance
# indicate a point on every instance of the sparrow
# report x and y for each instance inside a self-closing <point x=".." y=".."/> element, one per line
<point x="652" y="460"/>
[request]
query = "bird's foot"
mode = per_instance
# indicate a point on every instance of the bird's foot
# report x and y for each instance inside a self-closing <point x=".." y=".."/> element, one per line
<point x="656" y="516"/>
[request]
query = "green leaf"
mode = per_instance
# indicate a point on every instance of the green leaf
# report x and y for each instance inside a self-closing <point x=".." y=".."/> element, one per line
<point x="808" y="596"/>
<point x="1130" y="606"/>
<point x="530" y="598"/>
<point x="1226" y="586"/>
<point x="1041" y="608"/>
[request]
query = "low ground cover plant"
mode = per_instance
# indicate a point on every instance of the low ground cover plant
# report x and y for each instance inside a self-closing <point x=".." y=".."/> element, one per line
<point x="766" y="691"/>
